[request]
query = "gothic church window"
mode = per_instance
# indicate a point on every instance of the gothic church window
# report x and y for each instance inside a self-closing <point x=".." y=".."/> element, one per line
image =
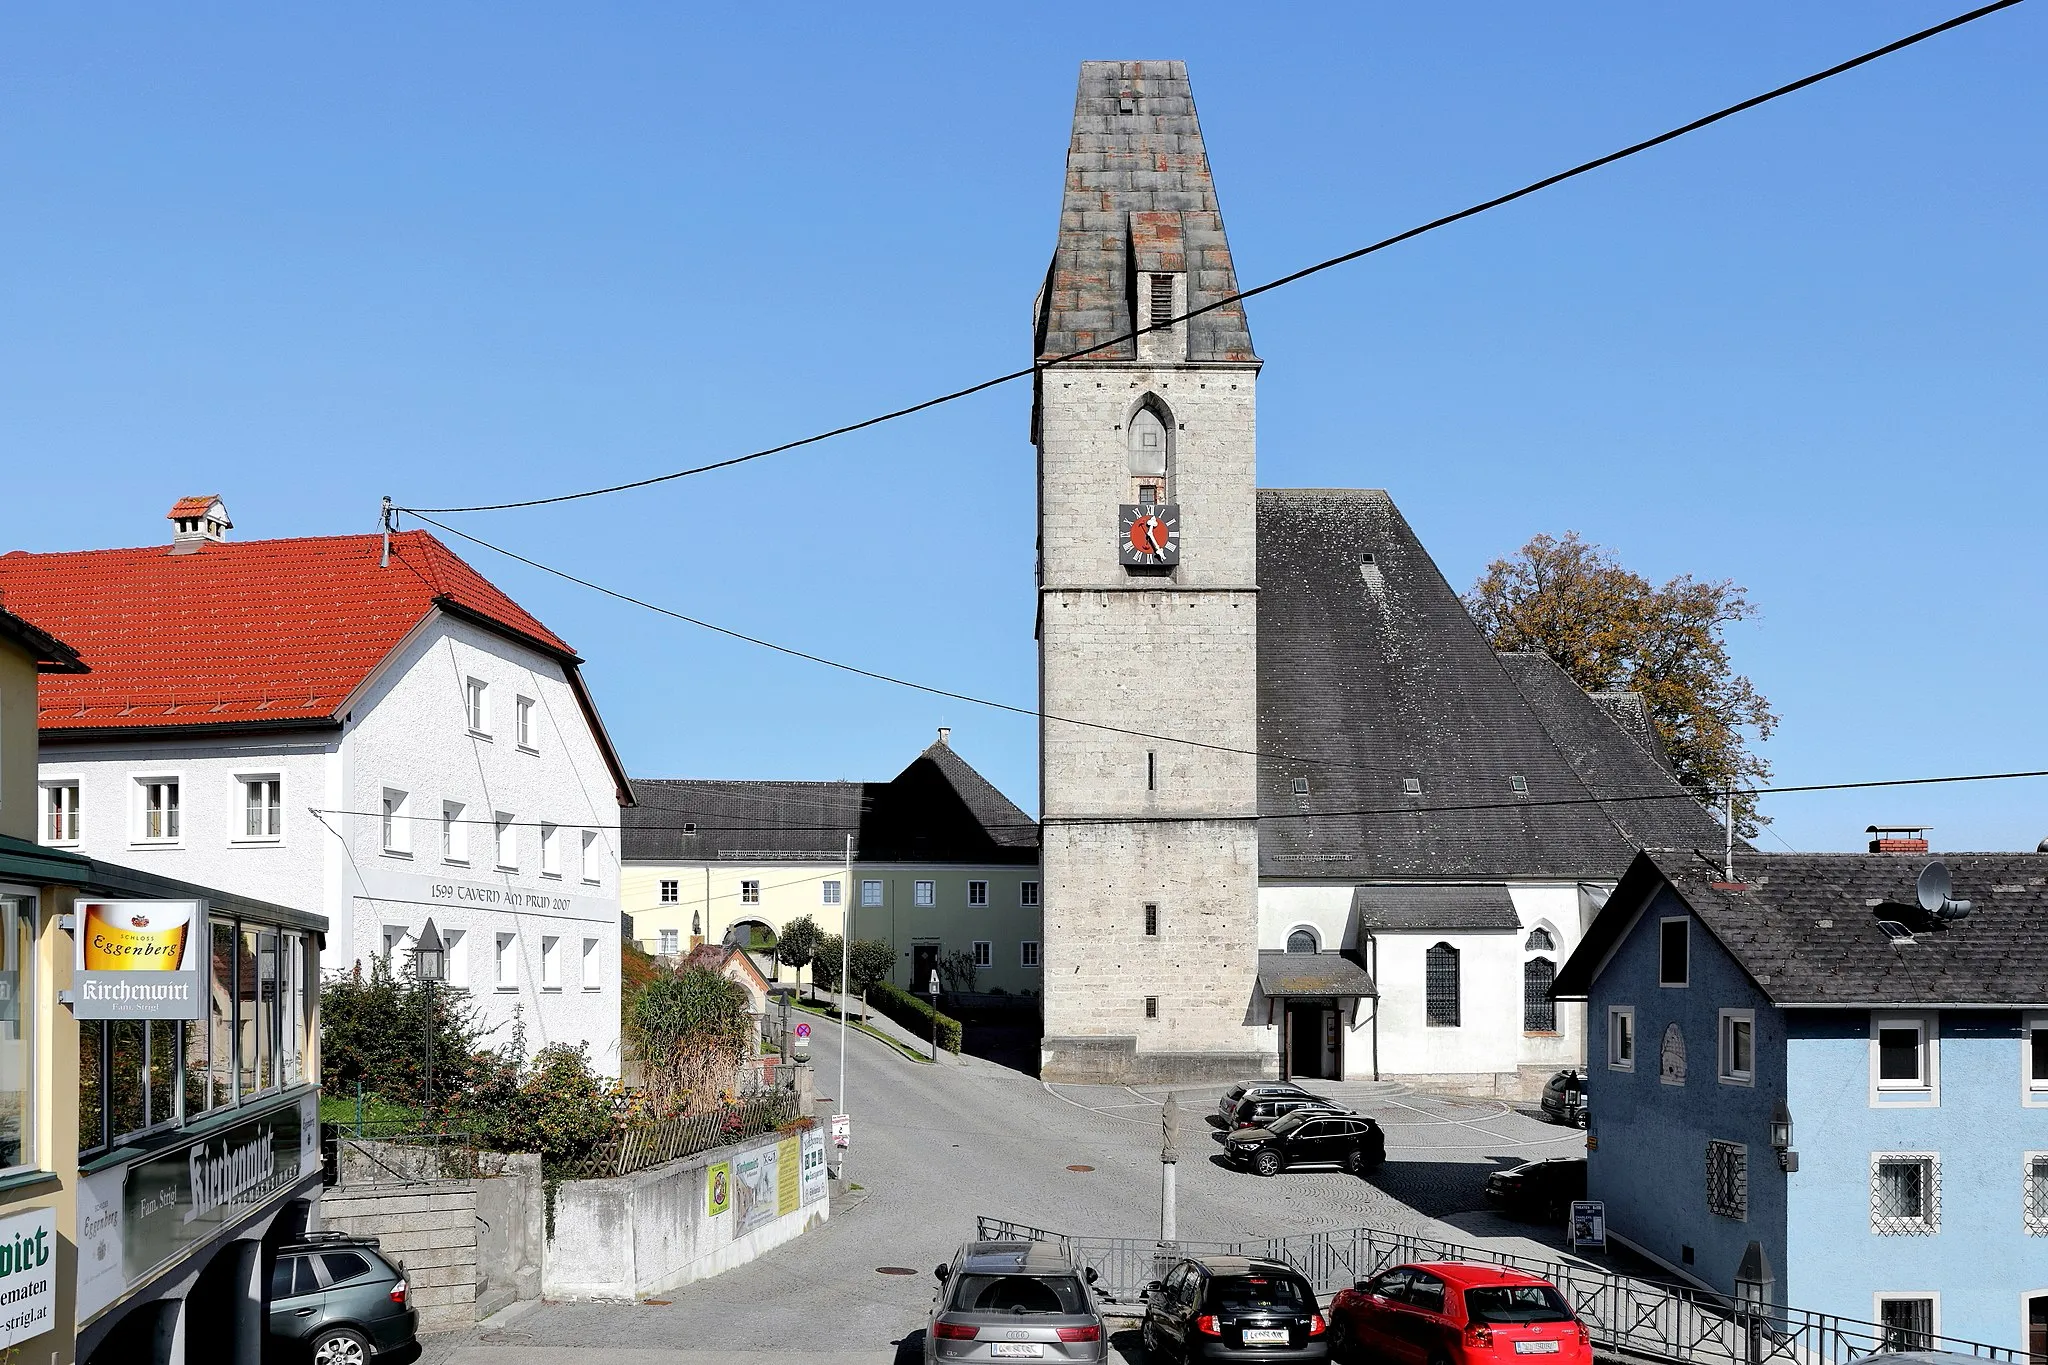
<point x="1301" y="941"/>
<point x="1540" y="941"/>
<point x="1440" y="986"/>
<point x="1148" y="457"/>
<point x="1539" y="1011"/>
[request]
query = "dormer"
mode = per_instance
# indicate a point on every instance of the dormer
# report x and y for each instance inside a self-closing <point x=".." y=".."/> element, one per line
<point x="196" y="521"/>
<point x="1159" y="284"/>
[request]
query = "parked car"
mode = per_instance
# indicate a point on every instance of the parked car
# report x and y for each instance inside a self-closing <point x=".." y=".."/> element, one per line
<point x="1256" y="1110"/>
<point x="1539" y="1189"/>
<point x="1308" y="1137"/>
<point x="1244" y="1090"/>
<point x="1455" y="1314"/>
<point x="336" y="1300"/>
<point x="1233" y="1308"/>
<point x="1014" y="1301"/>
<point x="1564" y="1099"/>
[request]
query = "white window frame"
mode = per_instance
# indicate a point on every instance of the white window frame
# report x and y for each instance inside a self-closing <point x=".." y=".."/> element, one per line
<point x="454" y="834"/>
<point x="1930" y="1193"/>
<point x="457" y="941"/>
<point x="668" y="942"/>
<point x="924" y="893"/>
<point x="551" y="851"/>
<point x="505" y="962"/>
<point x="984" y="953"/>
<point x="592" y="866"/>
<point x="394" y="814"/>
<point x="1028" y="895"/>
<point x="504" y="841"/>
<point x="1877" y="1302"/>
<point x="668" y="890"/>
<point x="1926" y="1091"/>
<point x="138" y="833"/>
<point x="551" y="962"/>
<point x="1726" y="1067"/>
<point x="977" y="893"/>
<point x="1617" y="1014"/>
<point x="2033" y="1090"/>
<point x="750" y="891"/>
<point x="831" y="891"/>
<point x="243" y="782"/>
<point x="1680" y="985"/>
<point x="592" y="968"/>
<point x="870" y="893"/>
<point x="476" y="707"/>
<point x="1029" y="954"/>
<point x="47" y="806"/>
<point x="522" y="721"/>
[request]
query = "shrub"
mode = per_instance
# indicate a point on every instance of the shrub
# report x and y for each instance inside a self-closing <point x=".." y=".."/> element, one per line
<point x="376" y="1029"/>
<point x="691" y="1030"/>
<point x="915" y="1014"/>
<point x="555" y="1105"/>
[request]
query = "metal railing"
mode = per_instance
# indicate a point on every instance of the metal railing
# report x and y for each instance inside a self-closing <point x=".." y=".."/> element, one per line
<point x="1624" y="1315"/>
<point x="395" y="1154"/>
<point x="641" y="1146"/>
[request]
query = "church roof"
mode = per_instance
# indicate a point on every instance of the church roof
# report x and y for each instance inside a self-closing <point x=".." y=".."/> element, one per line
<point x="1374" y="681"/>
<point x="937" y="810"/>
<point x="1138" y="184"/>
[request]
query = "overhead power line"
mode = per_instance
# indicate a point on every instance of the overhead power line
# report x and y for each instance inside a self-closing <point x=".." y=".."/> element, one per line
<point x="1433" y="225"/>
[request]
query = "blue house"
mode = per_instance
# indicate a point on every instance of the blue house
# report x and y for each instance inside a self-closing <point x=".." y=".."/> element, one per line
<point x="1809" y="1090"/>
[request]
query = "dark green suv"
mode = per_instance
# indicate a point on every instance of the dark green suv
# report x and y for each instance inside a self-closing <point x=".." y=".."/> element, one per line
<point x="335" y="1300"/>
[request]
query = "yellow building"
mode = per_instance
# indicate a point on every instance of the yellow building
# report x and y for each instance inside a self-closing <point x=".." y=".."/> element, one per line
<point x="107" y="1252"/>
<point x="941" y="864"/>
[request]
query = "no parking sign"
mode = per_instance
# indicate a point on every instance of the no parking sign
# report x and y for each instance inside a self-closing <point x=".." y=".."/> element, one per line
<point x="803" y="1038"/>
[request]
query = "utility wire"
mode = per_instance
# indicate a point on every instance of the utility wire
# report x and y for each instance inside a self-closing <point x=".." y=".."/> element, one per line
<point x="1523" y="804"/>
<point x="1227" y="300"/>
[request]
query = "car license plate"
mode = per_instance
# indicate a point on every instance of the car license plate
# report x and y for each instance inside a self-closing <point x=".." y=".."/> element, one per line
<point x="1015" y="1350"/>
<point x="1265" y="1336"/>
<point x="1536" y="1348"/>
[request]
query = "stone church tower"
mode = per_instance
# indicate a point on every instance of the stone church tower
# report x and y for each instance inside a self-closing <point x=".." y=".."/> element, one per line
<point x="1147" y="616"/>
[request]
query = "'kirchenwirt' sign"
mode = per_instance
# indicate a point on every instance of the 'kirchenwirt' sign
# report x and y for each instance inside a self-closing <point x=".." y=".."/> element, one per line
<point x="139" y="960"/>
<point x="28" y="1275"/>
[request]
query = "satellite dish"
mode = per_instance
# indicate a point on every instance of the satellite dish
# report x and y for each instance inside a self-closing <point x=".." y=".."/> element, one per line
<point x="1934" y="886"/>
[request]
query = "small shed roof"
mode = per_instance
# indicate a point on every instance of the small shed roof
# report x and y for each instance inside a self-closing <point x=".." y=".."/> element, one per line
<point x="1394" y="908"/>
<point x="1292" y="974"/>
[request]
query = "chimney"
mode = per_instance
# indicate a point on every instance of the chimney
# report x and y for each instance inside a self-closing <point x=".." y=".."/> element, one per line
<point x="946" y="735"/>
<point x="1898" y="838"/>
<point x="197" y="521"/>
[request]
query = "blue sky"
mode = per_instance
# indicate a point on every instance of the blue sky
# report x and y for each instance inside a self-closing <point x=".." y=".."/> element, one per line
<point x="473" y="252"/>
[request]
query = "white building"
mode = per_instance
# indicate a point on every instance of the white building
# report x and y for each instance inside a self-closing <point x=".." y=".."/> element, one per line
<point x="378" y="738"/>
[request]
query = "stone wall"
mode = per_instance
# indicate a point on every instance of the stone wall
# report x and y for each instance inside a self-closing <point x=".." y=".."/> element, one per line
<point x="430" y="1230"/>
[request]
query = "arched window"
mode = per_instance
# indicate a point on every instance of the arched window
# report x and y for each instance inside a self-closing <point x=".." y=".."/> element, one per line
<point x="1148" y="457"/>
<point x="1539" y="1011"/>
<point x="1540" y="941"/>
<point x="1302" y="941"/>
<point x="1440" y="985"/>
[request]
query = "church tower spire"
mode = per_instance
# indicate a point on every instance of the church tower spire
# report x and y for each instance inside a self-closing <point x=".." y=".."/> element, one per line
<point x="1148" y="605"/>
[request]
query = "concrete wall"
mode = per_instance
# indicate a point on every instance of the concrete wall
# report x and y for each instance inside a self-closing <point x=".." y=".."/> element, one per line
<point x="641" y="1234"/>
<point x="1649" y="1165"/>
<point x="1172" y="655"/>
<point x="430" y="1230"/>
<point x="510" y="1235"/>
<point x="1982" y="1264"/>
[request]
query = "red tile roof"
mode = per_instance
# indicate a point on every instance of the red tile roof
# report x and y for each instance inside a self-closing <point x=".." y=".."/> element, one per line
<point x="192" y="507"/>
<point x="249" y="632"/>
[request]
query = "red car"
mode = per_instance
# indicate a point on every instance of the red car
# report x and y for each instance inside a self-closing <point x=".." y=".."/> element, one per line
<point x="1457" y="1314"/>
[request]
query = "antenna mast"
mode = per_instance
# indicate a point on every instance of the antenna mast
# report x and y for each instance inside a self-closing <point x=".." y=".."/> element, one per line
<point x="385" y="518"/>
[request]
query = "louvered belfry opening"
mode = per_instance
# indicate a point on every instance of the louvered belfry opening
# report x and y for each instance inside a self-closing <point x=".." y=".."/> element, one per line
<point x="1162" y="298"/>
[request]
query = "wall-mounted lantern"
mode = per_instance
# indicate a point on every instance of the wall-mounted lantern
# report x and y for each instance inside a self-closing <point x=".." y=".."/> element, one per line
<point x="1781" y="1137"/>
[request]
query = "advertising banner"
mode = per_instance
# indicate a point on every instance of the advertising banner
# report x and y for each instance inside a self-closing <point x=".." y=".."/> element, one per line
<point x="28" y="1275"/>
<point x="139" y="960"/>
<point x="100" y="1279"/>
<point x="717" y="1188"/>
<point x="813" y="1166"/>
<point x="1587" y="1230"/>
<point x="753" y="1178"/>
<point x="788" y="1176"/>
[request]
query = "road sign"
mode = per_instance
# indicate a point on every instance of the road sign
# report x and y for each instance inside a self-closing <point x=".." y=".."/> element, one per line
<point x="803" y="1030"/>
<point x="842" y="1130"/>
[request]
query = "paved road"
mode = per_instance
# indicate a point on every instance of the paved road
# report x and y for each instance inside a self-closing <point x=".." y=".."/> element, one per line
<point x="937" y="1145"/>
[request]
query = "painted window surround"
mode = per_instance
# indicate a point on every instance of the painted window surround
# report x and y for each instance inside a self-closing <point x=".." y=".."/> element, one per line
<point x="1900" y="1095"/>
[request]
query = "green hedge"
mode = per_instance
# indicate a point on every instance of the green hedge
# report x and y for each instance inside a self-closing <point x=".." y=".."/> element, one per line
<point x="915" y="1014"/>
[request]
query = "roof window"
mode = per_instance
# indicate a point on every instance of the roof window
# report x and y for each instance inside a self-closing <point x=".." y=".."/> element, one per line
<point x="1519" y="784"/>
<point x="1301" y="786"/>
<point x="1411" y="786"/>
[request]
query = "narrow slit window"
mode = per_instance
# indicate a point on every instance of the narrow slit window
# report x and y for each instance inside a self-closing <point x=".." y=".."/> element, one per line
<point x="1151" y="770"/>
<point x="1151" y="1007"/>
<point x="1151" y="921"/>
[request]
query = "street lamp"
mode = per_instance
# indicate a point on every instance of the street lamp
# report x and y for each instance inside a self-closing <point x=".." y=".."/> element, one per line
<point x="1781" y="1137"/>
<point x="430" y="960"/>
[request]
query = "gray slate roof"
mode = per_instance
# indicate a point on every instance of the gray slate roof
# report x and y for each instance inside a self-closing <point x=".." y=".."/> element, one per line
<point x="1370" y="672"/>
<point x="1396" y="908"/>
<point x="1805" y="931"/>
<point x="1149" y="161"/>
<point x="937" y="810"/>
<point x="1285" y="974"/>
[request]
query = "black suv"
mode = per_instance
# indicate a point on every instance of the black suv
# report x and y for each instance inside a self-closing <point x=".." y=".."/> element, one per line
<point x="1539" y="1189"/>
<point x="1234" y="1308"/>
<point x="1307" y="1137"/>
<point x="335" y="1300"/>
<point x="1564" y="1099"/>
<point x="1255" y="1111"/>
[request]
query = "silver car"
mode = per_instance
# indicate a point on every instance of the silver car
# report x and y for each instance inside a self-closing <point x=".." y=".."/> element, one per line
<point x="1014" y="1301"/>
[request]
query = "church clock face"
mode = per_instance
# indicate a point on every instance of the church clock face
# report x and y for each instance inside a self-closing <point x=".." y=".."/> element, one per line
<point x="1151" y="535"/>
